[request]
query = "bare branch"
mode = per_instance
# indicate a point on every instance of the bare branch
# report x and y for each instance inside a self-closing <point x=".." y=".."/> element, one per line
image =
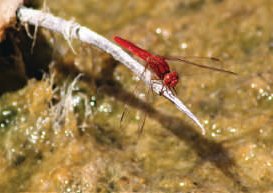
<point x="72" y="30"/>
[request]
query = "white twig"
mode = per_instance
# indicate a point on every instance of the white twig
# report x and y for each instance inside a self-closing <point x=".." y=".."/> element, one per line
<point x="72" y="30"/>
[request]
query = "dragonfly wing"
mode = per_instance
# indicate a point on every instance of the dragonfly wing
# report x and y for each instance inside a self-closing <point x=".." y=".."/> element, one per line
<point x="194" y="61"/>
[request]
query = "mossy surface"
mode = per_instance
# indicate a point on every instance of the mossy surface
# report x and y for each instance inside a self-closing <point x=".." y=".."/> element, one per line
<point x="63" y="133"/>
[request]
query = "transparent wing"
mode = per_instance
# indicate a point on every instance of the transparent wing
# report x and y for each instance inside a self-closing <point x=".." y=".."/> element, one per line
<point x="209" y="63"/>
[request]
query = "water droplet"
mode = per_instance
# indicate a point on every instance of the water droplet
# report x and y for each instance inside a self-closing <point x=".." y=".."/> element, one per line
<point x="158" y="30"/>
<point x="105" y="108"/>
<point x="183" y="45"/>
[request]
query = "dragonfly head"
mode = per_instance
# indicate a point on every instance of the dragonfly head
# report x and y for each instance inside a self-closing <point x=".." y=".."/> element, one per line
<point x="171" y="79"/>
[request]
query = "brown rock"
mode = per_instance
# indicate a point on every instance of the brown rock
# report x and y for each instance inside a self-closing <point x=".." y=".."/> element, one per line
<point x="8" y="15"/>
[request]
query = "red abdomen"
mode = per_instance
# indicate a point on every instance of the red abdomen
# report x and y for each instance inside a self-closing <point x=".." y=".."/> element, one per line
<point x="157" y="64"/>
<point x="143" y="54"/>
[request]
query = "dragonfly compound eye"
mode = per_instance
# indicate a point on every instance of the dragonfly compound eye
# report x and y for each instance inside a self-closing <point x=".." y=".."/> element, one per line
<point x="171" y="79"/>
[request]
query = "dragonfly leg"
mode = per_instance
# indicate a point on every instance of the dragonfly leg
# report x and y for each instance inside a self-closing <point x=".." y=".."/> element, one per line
<point x="141" y="127"/>
<point x="125" y="111"/>
<point x="145" y="68"/>
<point x="163" y="86"/>
<point x="173" y="91"/>
<point x="152" y="82"/>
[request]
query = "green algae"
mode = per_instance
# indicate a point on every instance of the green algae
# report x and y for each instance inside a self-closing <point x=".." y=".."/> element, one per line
<point x="62" y="134"/>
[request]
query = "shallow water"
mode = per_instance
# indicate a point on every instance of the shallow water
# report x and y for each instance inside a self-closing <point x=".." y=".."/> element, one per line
<point x="76" y="143"/>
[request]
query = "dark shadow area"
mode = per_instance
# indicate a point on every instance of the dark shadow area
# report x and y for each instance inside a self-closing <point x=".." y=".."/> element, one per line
<point x="37" y="54"/>
<point x="18" y="63"/>
<point x="12" y="67"/>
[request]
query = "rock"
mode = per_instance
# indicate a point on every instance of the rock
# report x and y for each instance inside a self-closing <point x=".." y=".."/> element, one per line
<point x="8" y="15"/>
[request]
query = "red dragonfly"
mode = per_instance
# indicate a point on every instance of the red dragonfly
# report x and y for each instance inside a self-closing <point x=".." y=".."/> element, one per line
<point x="159" y="65"/>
